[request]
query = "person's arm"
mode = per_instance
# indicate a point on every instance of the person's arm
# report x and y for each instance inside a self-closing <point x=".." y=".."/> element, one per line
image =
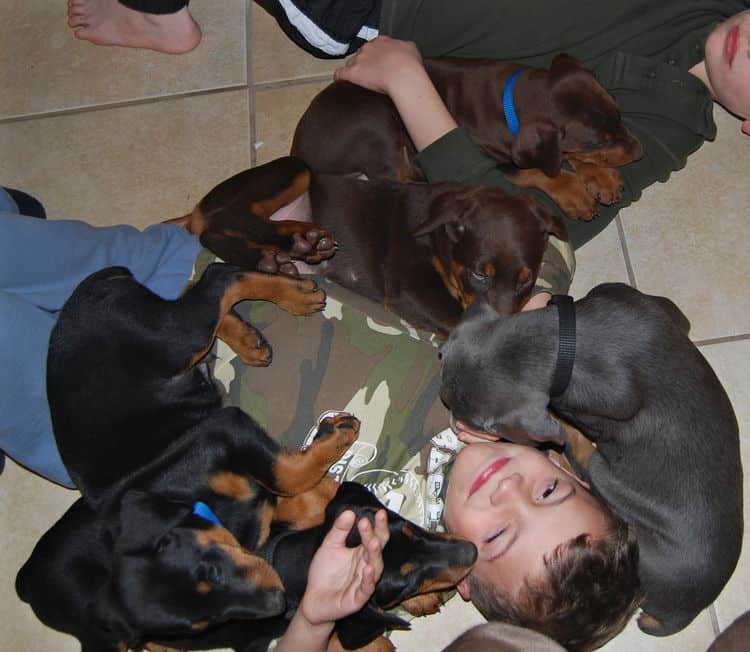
<point x="395" y="68"/>
<point x="340" y="582"/>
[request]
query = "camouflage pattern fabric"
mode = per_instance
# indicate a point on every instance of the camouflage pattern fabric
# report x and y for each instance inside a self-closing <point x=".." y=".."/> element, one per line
<point x="358" y="357"/>
<point x="354" y="357"/>
<point x="557" y="269"/>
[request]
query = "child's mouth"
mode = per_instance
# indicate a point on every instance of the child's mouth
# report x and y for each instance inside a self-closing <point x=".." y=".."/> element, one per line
<point x="488" y="472"/>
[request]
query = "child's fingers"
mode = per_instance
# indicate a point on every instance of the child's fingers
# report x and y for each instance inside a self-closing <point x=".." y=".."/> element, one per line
<point x="470" y="438"/>
<point x="381" y="527"/>
<point x="340" y="529"/>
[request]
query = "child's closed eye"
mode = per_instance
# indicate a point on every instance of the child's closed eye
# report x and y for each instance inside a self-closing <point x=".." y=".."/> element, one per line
<point x="550" y="489"/>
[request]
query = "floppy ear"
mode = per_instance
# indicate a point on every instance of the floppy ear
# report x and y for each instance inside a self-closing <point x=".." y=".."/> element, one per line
<point x="538" y="145"/>
<point x="154" y="516"/>
<point x="532" y="422"/>
<point x="563" y="63"/>
<point x="551" y="223"/>
<point x="446" y="210"/>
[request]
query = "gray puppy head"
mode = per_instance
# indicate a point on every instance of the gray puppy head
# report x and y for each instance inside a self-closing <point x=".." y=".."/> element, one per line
<point x="496" y="379"/>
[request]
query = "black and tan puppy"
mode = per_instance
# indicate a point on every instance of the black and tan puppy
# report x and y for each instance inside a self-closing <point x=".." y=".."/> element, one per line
<point x="667" y="456"/>
<point x="147" y="573"/>
<point x="426" y="251"/>
<point x="184" y="502"/>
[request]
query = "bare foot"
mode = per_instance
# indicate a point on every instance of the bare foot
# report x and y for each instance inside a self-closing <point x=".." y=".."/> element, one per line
<point x="107" y="22"/>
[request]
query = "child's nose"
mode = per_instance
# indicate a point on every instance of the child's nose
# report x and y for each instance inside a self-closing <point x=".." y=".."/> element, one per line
<point x="509" y="488"/>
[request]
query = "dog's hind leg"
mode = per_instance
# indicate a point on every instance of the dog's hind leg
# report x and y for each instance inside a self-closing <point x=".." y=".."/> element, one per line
<point x="234" y="220"/>
<point x="205" y="310"/>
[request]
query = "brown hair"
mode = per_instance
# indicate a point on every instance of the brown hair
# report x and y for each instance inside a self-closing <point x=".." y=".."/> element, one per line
<point x="590" y="592"/>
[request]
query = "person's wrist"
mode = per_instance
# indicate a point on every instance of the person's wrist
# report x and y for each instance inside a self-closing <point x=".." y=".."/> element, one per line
<point x="411" y="75"/>
<point x="313" y="624"/>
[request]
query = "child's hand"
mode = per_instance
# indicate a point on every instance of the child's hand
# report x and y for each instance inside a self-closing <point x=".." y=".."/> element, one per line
<point x="381" y="64"/>
<point x="341" y="580"/>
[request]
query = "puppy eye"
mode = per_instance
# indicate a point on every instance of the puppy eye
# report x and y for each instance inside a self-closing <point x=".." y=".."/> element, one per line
<point x="550" y="489"/>
<point x="479" y="277"/>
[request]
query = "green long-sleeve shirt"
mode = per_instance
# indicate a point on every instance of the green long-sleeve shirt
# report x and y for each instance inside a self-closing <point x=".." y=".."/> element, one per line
<point x="640" y="50"/>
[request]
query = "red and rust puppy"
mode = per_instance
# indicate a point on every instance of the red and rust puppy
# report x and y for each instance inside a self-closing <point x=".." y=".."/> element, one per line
<point x="184" y="501"/>
<point x="561" y="115"/>
<point x="427" y="251"/>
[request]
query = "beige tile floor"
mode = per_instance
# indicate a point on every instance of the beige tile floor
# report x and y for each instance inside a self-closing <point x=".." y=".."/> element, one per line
<point x="114" y="135"/>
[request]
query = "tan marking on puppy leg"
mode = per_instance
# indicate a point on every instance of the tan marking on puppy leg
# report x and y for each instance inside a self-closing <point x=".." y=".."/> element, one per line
<point x="232" y="485"/>
<point x="203" y="588"/>
<point x="298" y="471"/>
<point x="307" y="509"/>
<point x="296" y="296"/>
<point x="267" y="207"/>
<point x="243" y="340"/>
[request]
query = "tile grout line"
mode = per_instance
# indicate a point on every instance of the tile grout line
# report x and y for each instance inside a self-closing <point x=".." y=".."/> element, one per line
<point x="714" y="619"/>
<point x="723" y="340"/>
<point x="250" y="78"/>
<point x="119" y="104"/>
<point x="625" y="251"/>
<point x="283" y="83"/>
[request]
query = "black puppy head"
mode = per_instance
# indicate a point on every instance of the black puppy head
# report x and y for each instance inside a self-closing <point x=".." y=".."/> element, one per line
<point x="488" y="379"/>
<point x="489" y="243"/>
<point x="176" y="573"/>
<point x="415" y="561"/>
<point x="589" y="121"/>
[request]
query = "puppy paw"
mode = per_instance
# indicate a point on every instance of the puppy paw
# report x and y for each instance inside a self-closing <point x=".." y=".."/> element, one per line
<point x="340" y="430"/>
<point x="303" y="297"/>
<point x="313" y="245"/>
<point x="275" y="261"/>
<point x="604" y="184"/>
<point x="579" y="207"/>
<point x="254" y="351"/>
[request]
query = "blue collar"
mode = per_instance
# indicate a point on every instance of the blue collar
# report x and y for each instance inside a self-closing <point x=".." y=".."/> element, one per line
<point x="511" y="117"/>
<point x="205" y="512"/>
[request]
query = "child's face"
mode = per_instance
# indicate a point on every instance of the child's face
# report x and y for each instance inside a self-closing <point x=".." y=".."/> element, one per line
<point x="728" y="63"/>
<point x="516" y="506"/>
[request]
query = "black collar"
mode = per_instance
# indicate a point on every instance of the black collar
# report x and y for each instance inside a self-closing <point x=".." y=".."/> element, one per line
<point x="566" y="352"/>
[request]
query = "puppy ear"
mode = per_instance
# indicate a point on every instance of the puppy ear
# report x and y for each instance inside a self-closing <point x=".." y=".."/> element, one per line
<point x="538" y="145"/>
<point x="563" y="63"/>
<point x="446" y="210"/>
<point x="532" y="422"/>
<point x="551" y="223"/>
<point x="154" y="516"/>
